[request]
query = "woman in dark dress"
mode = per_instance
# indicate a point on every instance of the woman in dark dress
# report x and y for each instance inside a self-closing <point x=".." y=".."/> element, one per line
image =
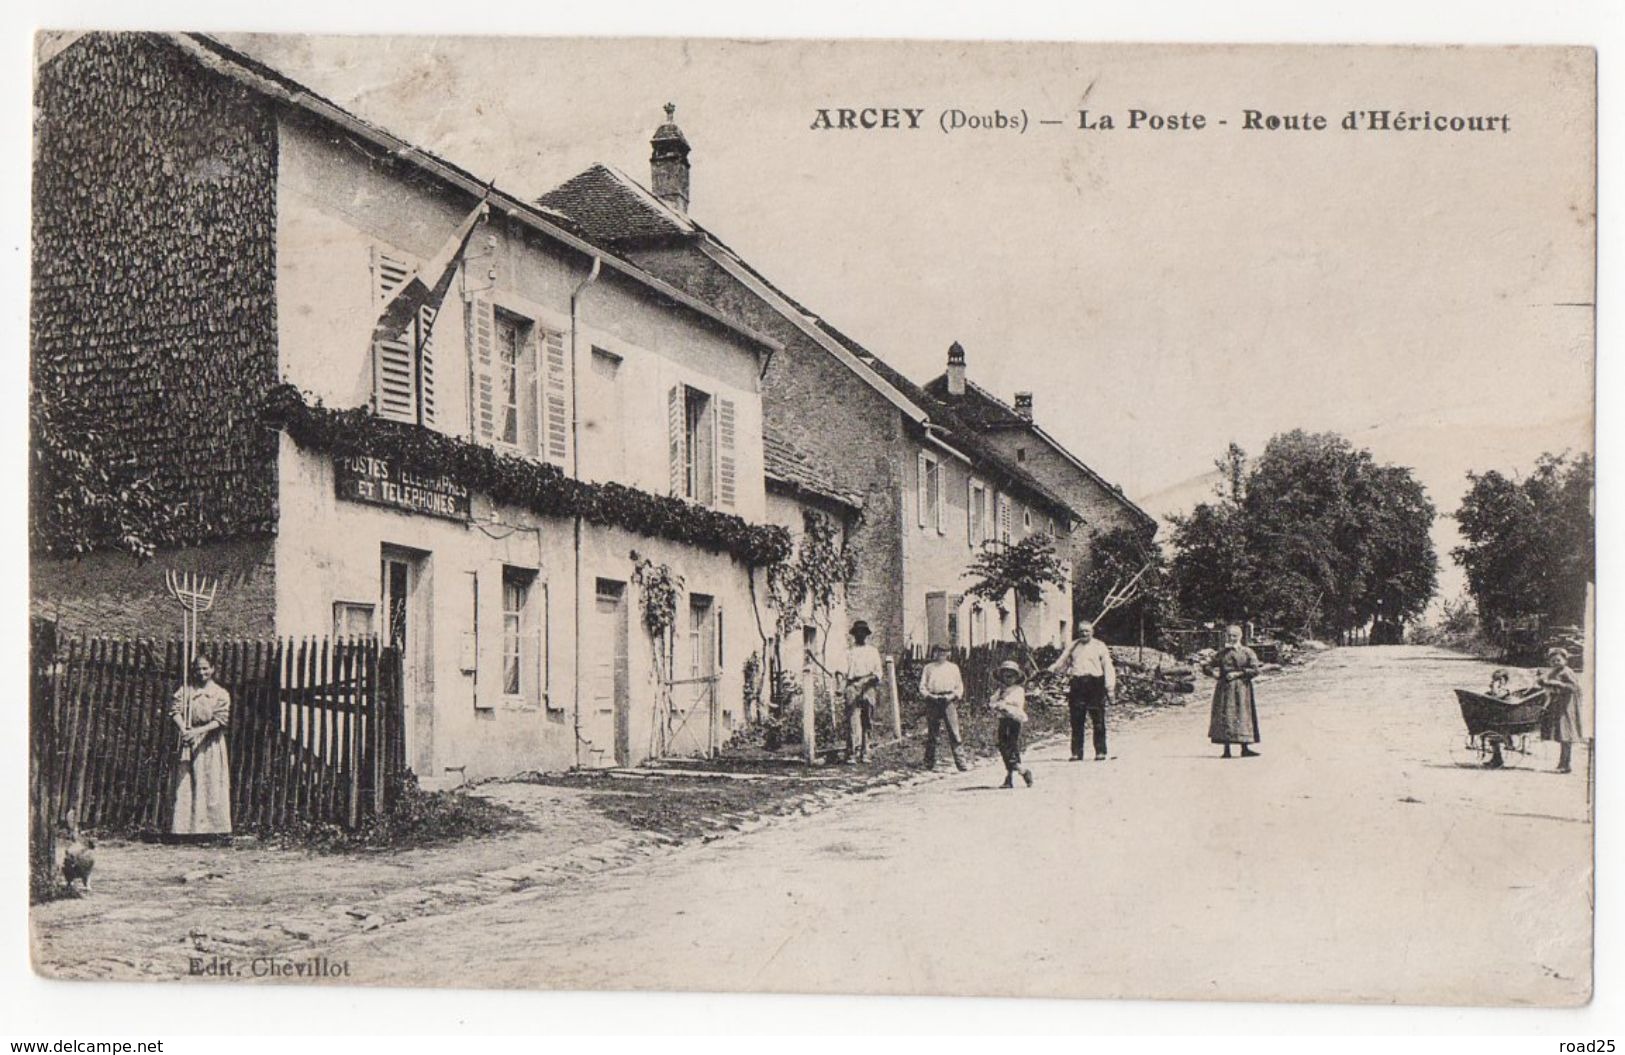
<point x="1562" y="719"/>
<point x="1235" y="713"/>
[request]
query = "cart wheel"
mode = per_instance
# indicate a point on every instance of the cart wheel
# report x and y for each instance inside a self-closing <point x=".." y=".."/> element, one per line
<point x="1469" y="752"/>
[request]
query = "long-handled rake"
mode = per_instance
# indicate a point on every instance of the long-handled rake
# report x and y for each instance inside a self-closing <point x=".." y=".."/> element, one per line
<point x="195" y="594"/>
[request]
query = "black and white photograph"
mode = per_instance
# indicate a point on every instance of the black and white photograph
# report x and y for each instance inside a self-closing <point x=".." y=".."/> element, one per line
<point x="863" y="517"/>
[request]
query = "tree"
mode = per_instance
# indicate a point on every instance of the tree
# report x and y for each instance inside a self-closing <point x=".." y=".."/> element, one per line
<point x="1314" y="535"/>
<point x="1211" y="569"/>
<point x="1024" y="567"/>
<point x="809" y="585"/>
<point x="1128" y="566"/>
<point x="1530" y="544"/>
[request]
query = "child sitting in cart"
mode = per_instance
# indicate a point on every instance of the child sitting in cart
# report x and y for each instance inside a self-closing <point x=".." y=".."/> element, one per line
<point x="1500" y="689"/>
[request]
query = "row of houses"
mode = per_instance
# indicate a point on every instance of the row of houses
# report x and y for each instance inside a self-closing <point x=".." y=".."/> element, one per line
<point x="612" y="399"/>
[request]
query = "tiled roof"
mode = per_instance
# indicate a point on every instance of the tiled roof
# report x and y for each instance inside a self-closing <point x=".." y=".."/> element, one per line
<point x="983" y="410"/>
<point x="614" y="208"/>
<point x="786" y="465"/>
<point x="978" y="406"/>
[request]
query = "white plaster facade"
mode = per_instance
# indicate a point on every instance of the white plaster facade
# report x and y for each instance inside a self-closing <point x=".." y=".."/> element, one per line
<point x="476" y="586"/>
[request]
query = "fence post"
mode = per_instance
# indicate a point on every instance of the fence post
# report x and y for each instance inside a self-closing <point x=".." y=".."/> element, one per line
<point x="896" y="704"/>
<point x="809" y="718"/>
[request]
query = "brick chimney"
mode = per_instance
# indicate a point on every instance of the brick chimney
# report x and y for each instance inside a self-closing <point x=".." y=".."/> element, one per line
<point x="956" y="369"/>
<point x="1024" y="405"/>
<point x="668" y="163"/>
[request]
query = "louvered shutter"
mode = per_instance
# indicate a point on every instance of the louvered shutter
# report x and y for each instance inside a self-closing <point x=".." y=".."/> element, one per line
<point x="924" y="501"/>
<point x="675" y="441"/>
<point x="482" y="349"/>
<point x="555" y="399"/>
<point x="942" y="494"/>
<point x="1004" y="518"/>
<point x="394" y="373"/>
<point x="425" y="375"/>
<point x="970" y="513"/>
<point x="727" y="459"/>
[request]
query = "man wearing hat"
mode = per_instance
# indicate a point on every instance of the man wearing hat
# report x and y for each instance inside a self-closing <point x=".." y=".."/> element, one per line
<point x="863" y="670"/>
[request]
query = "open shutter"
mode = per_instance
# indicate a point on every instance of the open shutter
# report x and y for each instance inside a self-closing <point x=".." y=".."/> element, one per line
<point x="925" y="502"/>
<point x="942" y="494"/>
<point x="1004" y="518"/>
<point x="970" y="513"/>
<point x="426" y="364"/>
<point x="727" y="459"/>
<point x="482" y="353"/>
<point x="555" y="399"/>
<point x="394" y="372"/>
<point x="675" y="427"/>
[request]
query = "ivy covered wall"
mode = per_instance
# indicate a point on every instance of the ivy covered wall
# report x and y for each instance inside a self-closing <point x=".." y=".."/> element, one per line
<point x="153" y="315"/>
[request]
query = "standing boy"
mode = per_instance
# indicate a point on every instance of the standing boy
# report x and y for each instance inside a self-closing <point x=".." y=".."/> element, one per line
<point x="1092" y="683"/>
<point x="1010" y="703"/>
<point x="942" y="687"/>
<point x="863" y="670"/>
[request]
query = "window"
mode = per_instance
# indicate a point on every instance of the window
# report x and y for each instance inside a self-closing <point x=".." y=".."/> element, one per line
<point x="702" y="637"/>
<point x="976" y="515"/>
<point x="521" y="643"/>
<point x="698" y="437"/>
<point x="352" y="619"/>
<point x="1021" y="454"/>
<point x="930" y="481"/>
<point x="606" y="365"/>
<point x="1027" y="519"/>
<point x="515" y="383"/>
<point x="702" y="433"/>
<point x="521" y="377"/>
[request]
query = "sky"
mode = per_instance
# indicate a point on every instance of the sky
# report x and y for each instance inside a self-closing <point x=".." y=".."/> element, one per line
<point x="1162" y="292"/>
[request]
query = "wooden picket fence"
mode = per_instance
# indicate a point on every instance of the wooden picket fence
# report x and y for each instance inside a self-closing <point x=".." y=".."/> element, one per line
<point x="316" y="732"/>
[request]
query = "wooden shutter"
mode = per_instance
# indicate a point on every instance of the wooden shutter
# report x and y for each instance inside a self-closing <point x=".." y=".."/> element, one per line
<point x="394" y="372"/>
<point x="942" y="495"/>
<point x="555" y="399"/>
<point x="1004" y="518"/>
<point x="426" y="386"/>
<point x="727" y="459"/>
<point x="676" y="440"/>
<point x="970" y="513"/>
<point x="924" y="501"/>
<point x="482" y="325"/>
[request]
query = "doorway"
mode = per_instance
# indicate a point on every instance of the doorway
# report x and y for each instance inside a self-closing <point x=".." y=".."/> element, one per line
<point x="404" y="601"/>
<point x="608" y="726"/>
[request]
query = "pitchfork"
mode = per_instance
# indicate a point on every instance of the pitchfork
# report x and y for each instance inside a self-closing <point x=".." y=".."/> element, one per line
<point x="195" y="594"/>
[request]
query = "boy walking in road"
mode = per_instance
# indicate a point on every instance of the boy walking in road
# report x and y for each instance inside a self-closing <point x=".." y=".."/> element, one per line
<point x="1011" y="704"/>
<point x="1092" y="683"/>
<point x="942" y="687"/>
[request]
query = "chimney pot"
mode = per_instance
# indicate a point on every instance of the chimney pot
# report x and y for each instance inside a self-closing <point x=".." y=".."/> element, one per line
<point x="956" y="369"/>
<point x="668" y="163"/>
<point x="1024" y="405"/>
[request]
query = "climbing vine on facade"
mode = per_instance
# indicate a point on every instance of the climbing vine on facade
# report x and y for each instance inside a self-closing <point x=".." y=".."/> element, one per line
<point x="536" y="486"/>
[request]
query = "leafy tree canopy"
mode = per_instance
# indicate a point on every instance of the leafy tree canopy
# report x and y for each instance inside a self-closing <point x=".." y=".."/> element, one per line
<point x="1530" y="543"/>
<point x="1314" y="535"/>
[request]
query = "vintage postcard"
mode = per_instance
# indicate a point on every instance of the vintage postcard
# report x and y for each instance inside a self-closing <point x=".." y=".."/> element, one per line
<point x="862" y="517"/>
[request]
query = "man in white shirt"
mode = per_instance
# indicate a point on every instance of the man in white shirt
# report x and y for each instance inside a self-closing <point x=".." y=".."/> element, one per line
<point x="1088" y="663"/>
<point x="864" y="668"/>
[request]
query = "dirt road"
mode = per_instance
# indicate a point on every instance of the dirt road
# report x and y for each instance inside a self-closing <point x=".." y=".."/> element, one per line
<point x="1357" y="860"/>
